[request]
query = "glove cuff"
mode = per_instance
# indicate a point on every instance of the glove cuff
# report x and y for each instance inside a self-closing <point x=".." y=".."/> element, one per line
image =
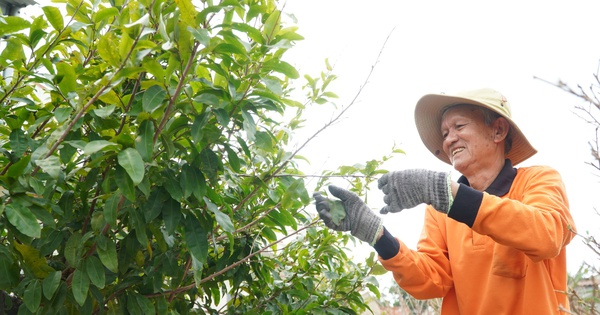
<point x="368" y="227"/>
<point x="450" y="198"/>
<point x="377" y="231"/>
<point x="442" y="191"/>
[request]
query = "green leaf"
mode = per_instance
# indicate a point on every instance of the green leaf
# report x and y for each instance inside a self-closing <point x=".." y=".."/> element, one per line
<point x="196" y="239"/>
<point x="13" y="51"/>
<point x="62" y="113"/>
<point x="132" y="305"/>
<point x="23" y="219"/>
<point x="146" y="306"/>
<point x="252" y="32"/>
<point x="33" y="296"/>
<point x="234" y="160"/>
<point x="295" y="193"/>
<point x="264" y="141"/>
<point x="36" y="263"/>
<point x="222" y="116"/>
<point x="125" y="183"/>
<point x="111" y="207"/>
<point x="139" y="226"/>
<point x="201" y="35"/>
<point x="95" y="271"/>
<point x="378" y="270"/>
<point x="153" y="98"/>
<point x="105" y="14"/>
<point x="244" y="146"/>
<point x="50" y="165"/>
<point x="80" y="285"/>
<point x="66" y="203"/>
<point x="107" y="49"/>
<point x="223" y="219"/>
<point x="108" y="256"/>
<point x="280" y="219"/>
<point x="172" y="185"/>
<point x="188" y="12"/>
<point x="272" y="24"/>
<point x="144" y="143"/>
<point x="105" y="111"/>
<point x="51" y="283"/>
<point x="12" y="24"/>
<point x="249" y="125"/>
<point x="172" y="215"/>
<point x="18" y="142"/>
<point x="229" y="49"/>
<point x="55" y="17"/>
<point x="30" y="104"/>
<point x="36" y="31"/>
<point x="97" y="145"/>
<point x="73" y="249"/>
<point x="269" y="234"/>
<point x="337" y="211"/>
<point x="131" y="160"/>
<point x="154" y="204"/>
<point x="19" y="167"/>
<point x="211" y="163"/>
<point x="197" y="126"/>
<point x="9" y="270"/>
<point x="203" y="15"/>
<point x="66" y="76"/>
<point x="282" y="67"/>
<point x="153" y="67"/>
<point x="192" y="182"/>
<point x="374" y="289"/>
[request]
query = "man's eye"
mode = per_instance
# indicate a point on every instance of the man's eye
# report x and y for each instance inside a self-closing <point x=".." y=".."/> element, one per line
<point x="444" y="135"/>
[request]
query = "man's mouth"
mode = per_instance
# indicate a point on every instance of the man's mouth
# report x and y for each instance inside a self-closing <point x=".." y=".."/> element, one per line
<point x="457" y="150"/>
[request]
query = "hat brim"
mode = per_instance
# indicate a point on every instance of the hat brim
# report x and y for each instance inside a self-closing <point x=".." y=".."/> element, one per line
<point x="428" y="118"/>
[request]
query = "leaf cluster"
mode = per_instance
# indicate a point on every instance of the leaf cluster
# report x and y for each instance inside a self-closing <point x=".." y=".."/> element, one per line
<point x="142" y="151"/>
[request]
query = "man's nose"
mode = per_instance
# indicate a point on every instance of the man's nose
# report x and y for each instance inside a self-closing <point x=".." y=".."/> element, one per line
<point x="450" y="137"/>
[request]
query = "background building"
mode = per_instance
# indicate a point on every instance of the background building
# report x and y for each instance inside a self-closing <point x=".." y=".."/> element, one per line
<point x="13" y="7"/>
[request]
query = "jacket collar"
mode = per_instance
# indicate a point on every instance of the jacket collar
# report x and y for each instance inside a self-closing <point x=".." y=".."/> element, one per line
<point x="501" y="185"/>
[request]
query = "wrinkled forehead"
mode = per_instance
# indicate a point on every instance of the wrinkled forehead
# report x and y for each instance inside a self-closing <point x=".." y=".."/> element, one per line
<point x="468" y="109"/>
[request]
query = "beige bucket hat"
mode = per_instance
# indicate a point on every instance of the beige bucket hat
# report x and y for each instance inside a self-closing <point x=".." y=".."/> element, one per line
<point x="428" y="118"/>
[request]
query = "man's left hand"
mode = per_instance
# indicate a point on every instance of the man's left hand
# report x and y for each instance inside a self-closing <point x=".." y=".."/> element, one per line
<point x="409" y="188"/>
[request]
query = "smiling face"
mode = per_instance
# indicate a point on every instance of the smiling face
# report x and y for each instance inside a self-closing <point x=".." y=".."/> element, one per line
<point x="470" y="143"/>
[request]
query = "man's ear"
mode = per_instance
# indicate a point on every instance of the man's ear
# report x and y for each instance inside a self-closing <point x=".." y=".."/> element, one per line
<point x="501" y="127"/>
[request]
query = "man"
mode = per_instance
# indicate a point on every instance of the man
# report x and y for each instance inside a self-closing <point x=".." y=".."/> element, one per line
<point x="494" y="241"/>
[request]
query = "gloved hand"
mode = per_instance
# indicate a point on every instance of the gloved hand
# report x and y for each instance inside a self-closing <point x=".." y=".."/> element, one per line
<point x="409" y="188"/>
<point x="361" y="221"/>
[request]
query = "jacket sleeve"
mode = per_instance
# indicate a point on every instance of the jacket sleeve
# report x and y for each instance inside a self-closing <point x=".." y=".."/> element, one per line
<point x="424" y="273"/>
<point x="533" y="218"/>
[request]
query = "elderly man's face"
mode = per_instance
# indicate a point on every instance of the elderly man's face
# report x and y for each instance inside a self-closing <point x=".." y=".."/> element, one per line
<point x="468" y="141"/>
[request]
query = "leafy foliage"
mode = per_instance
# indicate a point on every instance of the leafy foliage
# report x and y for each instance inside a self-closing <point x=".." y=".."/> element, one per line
<point x="145" y="167"/>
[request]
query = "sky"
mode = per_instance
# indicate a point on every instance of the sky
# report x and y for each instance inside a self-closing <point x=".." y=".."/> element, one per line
<point x="515" y="47"/>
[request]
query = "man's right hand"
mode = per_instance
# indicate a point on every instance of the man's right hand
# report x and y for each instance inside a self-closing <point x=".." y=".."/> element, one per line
<point x="361" y="221"/>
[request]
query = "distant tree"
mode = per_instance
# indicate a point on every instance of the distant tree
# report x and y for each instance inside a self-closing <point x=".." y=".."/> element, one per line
<point x="584" y="285"/>
<point x="146" y="165"/>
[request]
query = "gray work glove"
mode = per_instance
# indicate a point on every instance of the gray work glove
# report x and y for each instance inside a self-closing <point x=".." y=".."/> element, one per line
<point x="361" y="221"/>
<point x="409" y="188"/>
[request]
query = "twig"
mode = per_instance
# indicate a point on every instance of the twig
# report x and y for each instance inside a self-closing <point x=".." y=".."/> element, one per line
<point x="237" y="263"/>
<point x="343" y="111"/>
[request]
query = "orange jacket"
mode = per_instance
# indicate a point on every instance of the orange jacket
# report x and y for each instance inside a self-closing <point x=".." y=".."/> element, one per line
<point x="506" y="255"/>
